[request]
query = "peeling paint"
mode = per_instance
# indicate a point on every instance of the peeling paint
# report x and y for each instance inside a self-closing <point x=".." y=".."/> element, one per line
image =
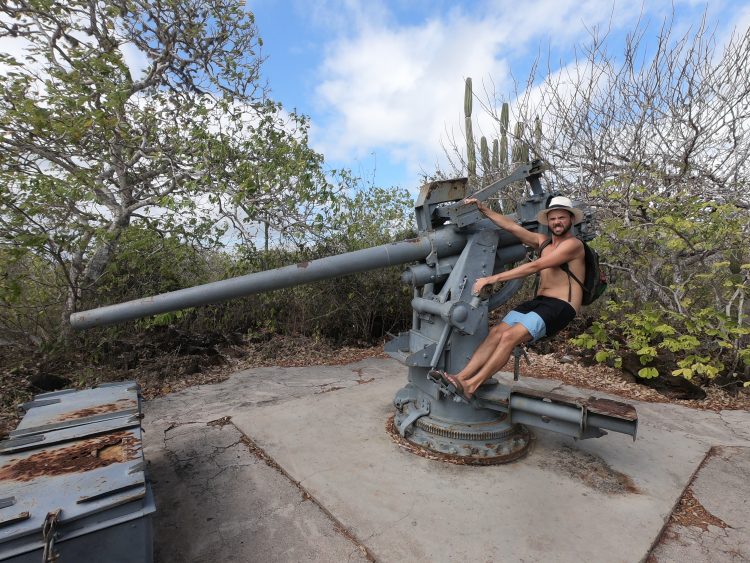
<point x="79" y="457"/>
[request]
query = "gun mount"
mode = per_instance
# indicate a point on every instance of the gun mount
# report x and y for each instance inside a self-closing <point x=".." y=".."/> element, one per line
<point x="456" y="245"/>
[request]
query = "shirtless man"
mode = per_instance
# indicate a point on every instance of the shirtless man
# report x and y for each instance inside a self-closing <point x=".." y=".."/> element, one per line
<point x="558" y="298"/>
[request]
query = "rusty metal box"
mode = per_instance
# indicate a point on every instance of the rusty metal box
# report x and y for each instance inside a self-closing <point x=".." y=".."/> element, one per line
<point x="72" y="479"/>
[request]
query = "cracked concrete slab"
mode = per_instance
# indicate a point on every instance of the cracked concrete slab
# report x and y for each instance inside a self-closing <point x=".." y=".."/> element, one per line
<point x="216" y="501"/>
<point x="325" y="428"/>
<point x="219" y="501"/>
<point x="542" y="508"/>
<point x="720" y="489"/>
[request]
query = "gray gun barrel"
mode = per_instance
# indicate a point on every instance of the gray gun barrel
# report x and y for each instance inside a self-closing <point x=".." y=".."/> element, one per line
<point x="444" y="242"/>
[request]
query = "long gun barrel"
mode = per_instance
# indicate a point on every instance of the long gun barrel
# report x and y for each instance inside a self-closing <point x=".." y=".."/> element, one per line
<point x="445" y="242"/>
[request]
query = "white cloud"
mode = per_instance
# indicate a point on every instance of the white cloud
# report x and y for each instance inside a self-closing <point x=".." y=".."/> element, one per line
<point x="397" y="88"/>
<point x="738" y="26"/>
<point x="20" y="49"/>
<point x="135" y="59"/>
<point x="342" y="17"/>
<point x="15" y="47"/>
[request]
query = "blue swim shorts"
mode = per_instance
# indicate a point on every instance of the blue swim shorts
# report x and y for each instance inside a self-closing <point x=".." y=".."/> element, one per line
<point x="542" y="316"/>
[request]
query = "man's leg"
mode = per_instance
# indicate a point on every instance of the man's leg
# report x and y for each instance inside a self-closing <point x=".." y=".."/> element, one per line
<point x="508" y="340"/>
<point x="483" y="353"/>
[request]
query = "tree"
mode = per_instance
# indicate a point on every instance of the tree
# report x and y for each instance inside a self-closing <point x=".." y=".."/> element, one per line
<point x="360" y="307"/>
<point x="656" y="139"/>
<point x="91" y="145"/>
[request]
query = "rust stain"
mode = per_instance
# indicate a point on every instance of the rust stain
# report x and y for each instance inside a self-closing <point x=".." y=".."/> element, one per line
<point x="556" y="397"/>
<point x="607" y="407"/>
<point x="416" y="240"/>
<point x="611" y="408"/>
<point x="119" y="405"/>
<point x="303" y="264"/>
<point x="80" y="457"/>
<point x="453" y="185"/>
<point x="392" y="431"/>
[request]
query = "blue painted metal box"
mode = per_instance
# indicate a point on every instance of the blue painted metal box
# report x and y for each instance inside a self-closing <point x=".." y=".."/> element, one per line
<point x="72" y="480"/>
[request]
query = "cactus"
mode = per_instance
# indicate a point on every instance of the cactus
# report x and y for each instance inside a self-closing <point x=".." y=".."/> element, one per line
<point x="471" y="158"/>
<point x="518" y="144"/>
<point x="497" y="162"/>
<point x="504" y="137"/>
<point x="468" y="100"/>
<point x="485" y="152"/>
<point x="504" y="119"/>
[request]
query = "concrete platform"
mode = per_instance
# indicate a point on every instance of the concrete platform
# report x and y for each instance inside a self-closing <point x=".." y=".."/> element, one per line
<point x="303" y="470"/>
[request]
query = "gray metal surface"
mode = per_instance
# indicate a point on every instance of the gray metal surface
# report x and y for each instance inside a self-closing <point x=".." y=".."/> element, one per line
<point x="450" y="323"/>
<point x="74" y="466"/>
<point x="68" y="408"/>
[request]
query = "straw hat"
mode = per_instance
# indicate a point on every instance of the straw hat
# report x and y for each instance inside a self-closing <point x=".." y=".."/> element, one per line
<point x="560" y="202"/>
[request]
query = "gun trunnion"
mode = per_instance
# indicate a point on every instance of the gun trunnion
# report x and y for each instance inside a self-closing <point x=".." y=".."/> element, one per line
<point x="455" y="246"/>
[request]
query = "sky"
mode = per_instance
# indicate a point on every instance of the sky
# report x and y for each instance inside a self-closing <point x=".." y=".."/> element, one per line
<point x="383" y="81"/>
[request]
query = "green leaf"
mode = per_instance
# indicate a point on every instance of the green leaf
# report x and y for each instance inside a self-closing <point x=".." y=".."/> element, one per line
<point x="687" y="373"/>
<point x="601" y="356"/>
<point x="648" y="373"/>
<point x="710" y="371"/>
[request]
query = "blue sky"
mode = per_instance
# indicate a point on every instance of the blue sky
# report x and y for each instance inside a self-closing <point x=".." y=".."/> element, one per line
<point x="382" y="81"/>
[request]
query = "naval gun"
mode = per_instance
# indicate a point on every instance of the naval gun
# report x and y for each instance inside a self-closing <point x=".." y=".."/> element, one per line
<point x="455" y="245"/>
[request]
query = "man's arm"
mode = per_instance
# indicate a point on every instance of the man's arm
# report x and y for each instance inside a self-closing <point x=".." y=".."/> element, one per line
<point x="527" y="237"/>
<point x="567" y="250"/>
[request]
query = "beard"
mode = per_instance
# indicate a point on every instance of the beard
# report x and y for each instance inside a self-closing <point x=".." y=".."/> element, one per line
<point x="564" y="230"/>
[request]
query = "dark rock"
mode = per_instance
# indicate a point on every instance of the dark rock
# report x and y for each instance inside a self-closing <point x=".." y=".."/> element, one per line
<point x="235" y="338"/>
<point x="43" y="381"/>
<point x="587" y="359"/>
<point x="192" y="365"/>
<point x="675" y="387"/>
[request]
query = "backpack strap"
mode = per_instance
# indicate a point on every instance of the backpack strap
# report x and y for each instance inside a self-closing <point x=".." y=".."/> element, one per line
<point x="566" y="269"/>
<point x="544" y="245"/>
